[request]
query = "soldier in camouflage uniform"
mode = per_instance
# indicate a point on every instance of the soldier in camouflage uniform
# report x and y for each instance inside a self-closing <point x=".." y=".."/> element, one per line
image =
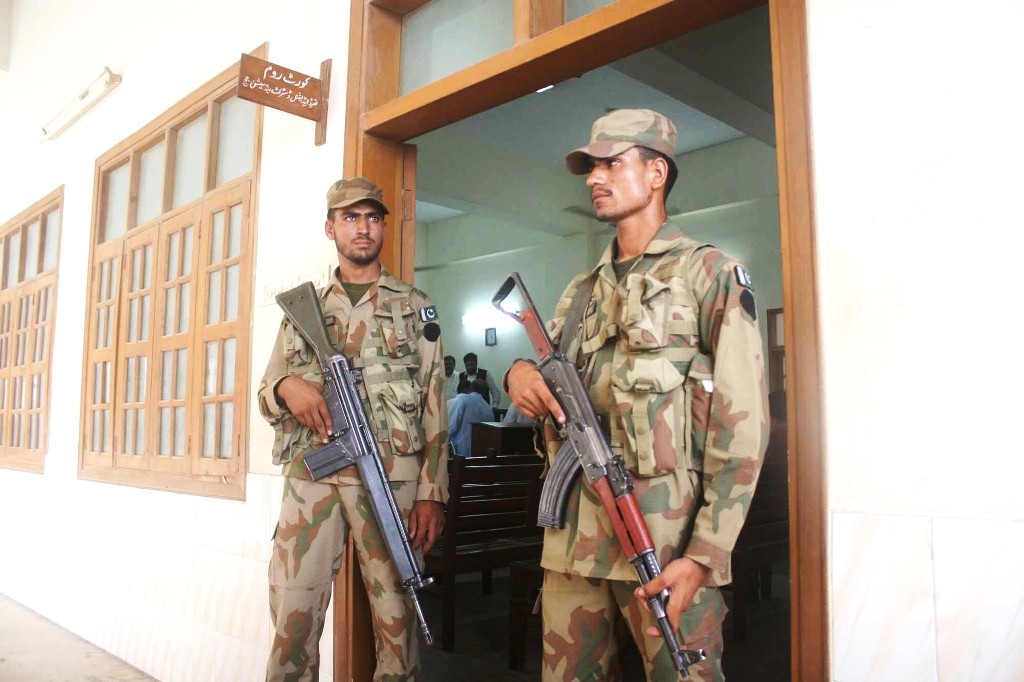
<point x="389" y="329"/>
<point x="670" y="349"/>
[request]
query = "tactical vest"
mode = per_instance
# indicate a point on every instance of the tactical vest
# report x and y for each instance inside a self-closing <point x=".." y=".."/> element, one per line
<point x="390" y="360"/>
<point x="660" y="379"/>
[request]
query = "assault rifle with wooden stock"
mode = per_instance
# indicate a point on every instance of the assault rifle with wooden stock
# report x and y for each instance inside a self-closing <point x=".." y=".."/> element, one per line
<point x="352" y="440"/>
<point x="586" y="449"/>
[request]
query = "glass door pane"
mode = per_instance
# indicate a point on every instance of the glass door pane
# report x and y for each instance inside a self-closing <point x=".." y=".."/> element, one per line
<point x="446" y="36"/>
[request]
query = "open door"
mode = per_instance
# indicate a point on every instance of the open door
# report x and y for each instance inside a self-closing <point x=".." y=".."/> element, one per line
<point x="379" y="119"/>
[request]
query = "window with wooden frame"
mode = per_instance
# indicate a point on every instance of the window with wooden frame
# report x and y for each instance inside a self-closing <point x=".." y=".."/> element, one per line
<point x="166" y="373"/>
<point x="29" y="249"/>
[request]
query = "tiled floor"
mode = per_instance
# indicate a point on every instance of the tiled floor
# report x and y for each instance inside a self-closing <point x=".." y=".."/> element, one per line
<point x="481" y="639"/>
<point x="33" y="649"/>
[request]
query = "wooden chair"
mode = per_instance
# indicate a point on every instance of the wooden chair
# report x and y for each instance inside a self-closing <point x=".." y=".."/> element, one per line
<point x="524" y="582"/>
<point x="764" y="539"/>
<point x="491" y="521"/>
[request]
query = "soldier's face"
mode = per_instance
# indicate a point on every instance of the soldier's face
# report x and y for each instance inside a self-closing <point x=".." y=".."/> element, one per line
<point x="620" y="186"/>
<point x="357" y="232"/>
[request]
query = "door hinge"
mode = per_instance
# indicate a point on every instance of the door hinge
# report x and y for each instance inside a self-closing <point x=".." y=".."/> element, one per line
<point x="408" y="205"/>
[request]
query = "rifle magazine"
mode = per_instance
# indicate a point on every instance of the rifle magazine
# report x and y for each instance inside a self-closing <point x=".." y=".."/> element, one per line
<point x="327" y="460"/>
<point x="554" y="495"/>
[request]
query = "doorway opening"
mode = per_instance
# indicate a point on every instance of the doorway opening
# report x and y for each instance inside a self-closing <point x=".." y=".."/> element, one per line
<point x="383" y="116"/>
<point x="493" y="196"/>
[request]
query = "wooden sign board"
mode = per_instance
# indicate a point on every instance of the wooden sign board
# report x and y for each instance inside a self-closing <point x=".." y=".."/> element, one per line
<point x="289" y="91"/>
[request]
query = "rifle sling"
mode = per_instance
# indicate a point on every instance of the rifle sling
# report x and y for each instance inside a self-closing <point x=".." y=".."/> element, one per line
<point x="569" y="343"/>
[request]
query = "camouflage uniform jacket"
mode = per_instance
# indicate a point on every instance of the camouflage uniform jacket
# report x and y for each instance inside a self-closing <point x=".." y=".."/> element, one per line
<point x="672" y="353"/>
<point x="403" y="384"/>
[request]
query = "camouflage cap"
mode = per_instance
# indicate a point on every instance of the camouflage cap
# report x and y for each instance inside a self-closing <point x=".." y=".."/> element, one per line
<point x="348" y="191"/>
<point x="616" y="132"/>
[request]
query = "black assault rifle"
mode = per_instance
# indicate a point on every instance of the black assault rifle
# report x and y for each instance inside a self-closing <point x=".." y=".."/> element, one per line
<point x="352" y="440"/>
<point x="585" y="449"/>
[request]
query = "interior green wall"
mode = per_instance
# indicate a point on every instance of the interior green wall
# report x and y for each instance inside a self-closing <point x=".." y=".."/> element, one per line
<point x="726" y="194"/>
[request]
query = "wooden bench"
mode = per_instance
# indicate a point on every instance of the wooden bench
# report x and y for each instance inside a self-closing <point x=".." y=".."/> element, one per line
<point x="764" y="539"/>
<point x="491" y="521"/>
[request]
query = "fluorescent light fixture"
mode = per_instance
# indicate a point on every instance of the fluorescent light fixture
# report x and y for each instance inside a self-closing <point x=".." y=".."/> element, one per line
<point x="482" y="318"/>
<point x="546" y="88"/>
<point x="107" y="81"/>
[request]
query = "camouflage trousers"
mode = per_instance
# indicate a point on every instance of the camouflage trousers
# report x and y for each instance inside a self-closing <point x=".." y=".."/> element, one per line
<point x="583" y="615"/>
<point x="307" y="554"/>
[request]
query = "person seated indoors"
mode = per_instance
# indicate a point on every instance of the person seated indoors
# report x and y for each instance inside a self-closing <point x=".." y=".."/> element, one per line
<point x="514" y="416"/>
<point x="466" y="409"/>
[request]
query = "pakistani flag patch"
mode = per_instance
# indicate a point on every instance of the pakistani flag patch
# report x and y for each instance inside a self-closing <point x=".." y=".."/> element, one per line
<point x="743" y="277"/>
<point x="428" y="313"/>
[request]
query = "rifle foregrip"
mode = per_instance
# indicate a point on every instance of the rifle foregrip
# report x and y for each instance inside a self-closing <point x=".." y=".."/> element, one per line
<point x="554" y="494"/>
<point x="633" y="520"/>
<point x="535" y="331"/>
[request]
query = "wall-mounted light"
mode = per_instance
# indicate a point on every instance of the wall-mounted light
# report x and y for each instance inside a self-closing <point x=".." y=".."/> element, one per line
<point x="107" y="81"/>
<point x="482" y="318"/>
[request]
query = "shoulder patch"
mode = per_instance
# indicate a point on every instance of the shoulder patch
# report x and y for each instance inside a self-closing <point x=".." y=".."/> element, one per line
<point x="428" y="313"/>
<point x="432" y="331"/>
<point x="743" y="277"/>
<point x="747" y="301"/>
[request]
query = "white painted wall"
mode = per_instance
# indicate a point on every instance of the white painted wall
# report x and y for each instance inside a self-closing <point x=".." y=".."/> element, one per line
<point x="174" y="584"/>
<point x="574" y="9"/>
<point x="916" y="139"/>
<point x="494" y="248"/>
<point x="735" y="53"/>
<point x="725" y="173"/>
<point x="5" y="34"/>
<point x="473" y="176"/>
<point x="917" y="145"/>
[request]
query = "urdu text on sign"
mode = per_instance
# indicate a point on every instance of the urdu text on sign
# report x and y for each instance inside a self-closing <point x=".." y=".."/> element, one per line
<point x="280" y="88"/>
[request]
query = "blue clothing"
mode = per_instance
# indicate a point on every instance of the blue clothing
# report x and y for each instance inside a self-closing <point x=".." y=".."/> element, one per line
<point x="464" y="411"/>
<point x="514" y="416"/>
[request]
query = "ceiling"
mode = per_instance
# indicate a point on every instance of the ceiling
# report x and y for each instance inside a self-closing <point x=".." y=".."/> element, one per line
<point x="427" y="213"/>
<point x="545" y="126"/>
<point x="715" y="84"/>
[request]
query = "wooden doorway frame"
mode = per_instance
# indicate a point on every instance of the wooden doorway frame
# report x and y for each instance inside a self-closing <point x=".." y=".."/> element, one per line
<point x="379" y="120"/>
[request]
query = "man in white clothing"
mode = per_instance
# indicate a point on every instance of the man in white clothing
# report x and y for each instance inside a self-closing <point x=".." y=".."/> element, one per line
<point x="451" y="379"/>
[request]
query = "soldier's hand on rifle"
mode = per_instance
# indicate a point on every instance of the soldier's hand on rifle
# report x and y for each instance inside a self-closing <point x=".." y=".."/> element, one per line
<point x="305" y="400"/>
<point x="530" y="393"/>
<point x="682" y="577"/>
<point x="425" y="524"/>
